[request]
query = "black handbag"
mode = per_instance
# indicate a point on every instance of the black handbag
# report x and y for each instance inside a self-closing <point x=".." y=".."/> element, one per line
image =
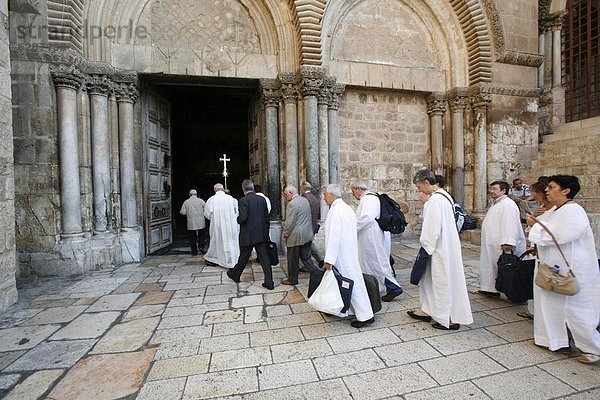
<point x="515" y="277"/>
<point x="346" y="285"/>
<point x="419" y="267"/>
<point x="273" y="254"/>
<point x="373" y="292"/>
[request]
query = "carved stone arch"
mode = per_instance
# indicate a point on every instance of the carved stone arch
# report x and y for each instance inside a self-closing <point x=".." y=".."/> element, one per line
<point x="308" y="15"/>
<point x="271" y="19"/>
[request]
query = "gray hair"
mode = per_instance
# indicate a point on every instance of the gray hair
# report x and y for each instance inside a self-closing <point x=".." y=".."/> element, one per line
<point x="248" y="185"/>
<point x="335" y="190"/>
<point x="358" y="184"/>
<point x="424" y="175"/>
<point x="292" y="189"/>
<point x="193" y="192"/>
<point x="218" y="187"/>
<point x="306" y="186"/>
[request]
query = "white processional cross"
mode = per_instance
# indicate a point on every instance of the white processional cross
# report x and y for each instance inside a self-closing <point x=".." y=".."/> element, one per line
<point x="225" y="173"/>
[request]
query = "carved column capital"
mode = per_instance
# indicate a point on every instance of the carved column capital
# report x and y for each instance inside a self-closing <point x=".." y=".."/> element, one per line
<point x="270" y="92"/>
<point x="127" y="92"/>
<point x="458" y="104"/>
<point x="336" y="92"/>
<point x="555" y="21"/>
<point x="480" y="101"/>
<point x="324" y="95"/>
<point x="288" y="87"/>
<point x="98" y="84"/>
<point x="436" y="104"/>
<point x="66" y="76"/>
<point x="311" y="79"/>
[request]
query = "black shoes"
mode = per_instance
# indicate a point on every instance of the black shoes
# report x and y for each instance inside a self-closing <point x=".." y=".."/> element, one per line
<point x="489" y="294"/>
<point x="268" y="287"/>
<point x="390" y="296"/>
<point x="424" y="318"/>
<point x="451" y="327"/>
<point x="210" y="264"/>
<point x="230" y="275"/>
<point x="361" y="324"/>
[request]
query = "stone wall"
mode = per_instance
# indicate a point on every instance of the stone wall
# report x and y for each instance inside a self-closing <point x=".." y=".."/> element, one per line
<point x="8" y="290"/>
<point x="384" y="140"/>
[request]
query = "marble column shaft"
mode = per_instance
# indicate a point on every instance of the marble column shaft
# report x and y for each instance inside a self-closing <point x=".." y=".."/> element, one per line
<point x="323" y="99"/>
<point x="436" y="109"/>
<point x="480" y="104"/>
<point x="333" y="130"/>
<point x="291" y="128"/>
<point x="542" y="51"/>
<point x="271" y="100"/>
<point x="98" y="88"/>
<point x="311" y="82"/>
<point x="126" y="96"/>
<point x="458" y="106"/>
<point x="556" y="58"/>
<point x="70" y="200"/>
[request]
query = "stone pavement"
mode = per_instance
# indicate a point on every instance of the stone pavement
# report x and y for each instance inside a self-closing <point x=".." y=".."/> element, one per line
<point x="172" y="328"/>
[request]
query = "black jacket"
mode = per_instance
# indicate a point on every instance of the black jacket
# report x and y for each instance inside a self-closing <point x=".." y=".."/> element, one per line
<point x="253" y="219"/>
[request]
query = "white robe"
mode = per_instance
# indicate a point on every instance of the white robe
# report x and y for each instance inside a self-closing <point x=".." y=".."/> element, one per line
<point x="555" y="312"/>
<point x="501" y="225"/>
<point x="373" y="248"/>
<point x="443" y="288"/>
<point x="222" y="210"/>
<point x="341" y="250"/>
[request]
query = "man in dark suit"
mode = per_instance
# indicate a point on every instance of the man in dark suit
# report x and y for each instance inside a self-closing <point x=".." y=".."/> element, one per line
<point x="315" y="210"/>
<point x="254" y="233"/>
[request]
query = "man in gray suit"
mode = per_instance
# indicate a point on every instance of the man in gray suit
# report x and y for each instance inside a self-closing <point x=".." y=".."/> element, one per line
<point x="298" y="233"/>
<point x="315" y="209"/>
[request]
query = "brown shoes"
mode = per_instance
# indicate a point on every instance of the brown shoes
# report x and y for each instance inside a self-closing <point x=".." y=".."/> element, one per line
<point x="287" y="282"/>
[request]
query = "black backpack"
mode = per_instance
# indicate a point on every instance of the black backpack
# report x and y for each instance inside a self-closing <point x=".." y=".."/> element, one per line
<point x="391" y="218"/>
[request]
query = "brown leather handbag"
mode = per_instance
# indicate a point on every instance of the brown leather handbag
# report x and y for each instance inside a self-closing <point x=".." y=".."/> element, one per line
<point x="549" y="278"/>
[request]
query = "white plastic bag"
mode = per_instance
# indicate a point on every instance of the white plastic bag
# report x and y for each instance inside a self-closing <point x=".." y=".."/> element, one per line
<point x="326" y="298"/>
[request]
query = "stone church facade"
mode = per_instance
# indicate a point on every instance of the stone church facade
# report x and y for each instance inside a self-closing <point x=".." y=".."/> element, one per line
<point x="334" y="90"/>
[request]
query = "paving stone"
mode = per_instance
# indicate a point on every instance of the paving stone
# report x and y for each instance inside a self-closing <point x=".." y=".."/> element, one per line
<point x="253" y="315"/>
<point x="416" y="330"/>
<point x="587" y="395"/>
<point x="247" y="301"/>
<point x="185" y="293"/>
<point x="514" y="331"/>
<point x="177" y="349"/>
<point x="114" y="302"/>
<point x="13" y="319"/>
<point x="323" y="390"/>
<point x="35" y="385"/>
<point x="362" y="340"/>
<point x="127" y="336"/>
<point x="240" y="358"/>
<point x="220" y="384"/>
<point x="53" y="303"/>
<point x="219" y="317"/>
<point x="287" y="321"/>
<point x="187" y="301"/>
<point x="154" y="298"/>
<point x="180" y="322"/>
<point x="293" y="297"/>
<point x="351" y="363"/>
<point x="276" y="336"/>
<point x="125" y="288"/>
<point x="87" y="326"/>
<point x="179" y="286"/>
<point x="55" y="315"/>
<point x="521" y="354"/>
<point x="300" y="308"/>
<point x="217" y="298"/>
<point x="406" y="353"/>
<point x="114" y="376"/>
<point x="26" y="337"/>
<point x="462" y="341"/>
<point x="181" y="334"/>
<point x="473" y="364"/>
<point x="191" y="310"/>
<point x="100" y="285"/>
<point x="150" y="287"/>
<point x="231" y="328"/>
<point x="528" y="383"/>
<point x="278" y="310"/>
<point x="225" y="289"/>
<point x="274" y="298"/>
<point x="168" y="389"/>
<point x="223" y="343"/>
<point x="575" y="374"/>
<point x="179" y="367"/>
<point x="139" y="312"/>
<point x="388" y="382"/>
<point x="286" y="374"/>
<point x="458" y="391"/>
<point x="9" y="357"/>
<point x="86" y="301"/>
<point x="506" y="314"/>
<point x="8" y="381"/>
<point x="300" y="350"/>
<point x="334" y="328"/>
<point x="50" y="355"/>
<point x="482" y="319"/>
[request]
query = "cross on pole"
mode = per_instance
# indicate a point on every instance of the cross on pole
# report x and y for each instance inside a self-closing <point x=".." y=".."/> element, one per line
<point x="225" y="173"/>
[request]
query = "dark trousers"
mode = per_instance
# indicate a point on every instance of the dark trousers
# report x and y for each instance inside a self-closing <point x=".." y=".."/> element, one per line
<point x="263" y="258"/>
<point x="294" y="255"/>
<point x="196" y="240"/>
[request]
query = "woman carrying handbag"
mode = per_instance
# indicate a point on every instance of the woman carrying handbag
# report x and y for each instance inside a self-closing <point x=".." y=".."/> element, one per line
<point x="554" y="312"/>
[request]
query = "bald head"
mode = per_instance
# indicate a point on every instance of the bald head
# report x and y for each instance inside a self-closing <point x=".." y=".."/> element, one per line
<point x="218" y="188"/>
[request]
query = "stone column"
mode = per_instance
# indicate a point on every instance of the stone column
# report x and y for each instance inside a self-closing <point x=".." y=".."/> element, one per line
<point x="290" y="96"/>
<point x="480" y="104"/>
<point x="98" y="87"/>
<point x="436" y="108"/>
<point x="556" y="57"/>
<point x="67" y="80"/>
<point x="323" y="99"/>
<point x="271" y="96"/>
<point x="311" y="81"/>
<point x="333" y="130"/>
<point x="542" y="51"/>
<point x="126" y="96"/>
<point x="458" y="105"/>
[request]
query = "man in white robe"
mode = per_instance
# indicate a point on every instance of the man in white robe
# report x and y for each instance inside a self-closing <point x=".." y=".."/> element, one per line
<point x="373" y="245"/>
<point x="341" y="250"/>
<point x="222" y="211"/>
<point x="443" y="289"/>
<point x="555" y="313"/>
<point x="501" y="231"/>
